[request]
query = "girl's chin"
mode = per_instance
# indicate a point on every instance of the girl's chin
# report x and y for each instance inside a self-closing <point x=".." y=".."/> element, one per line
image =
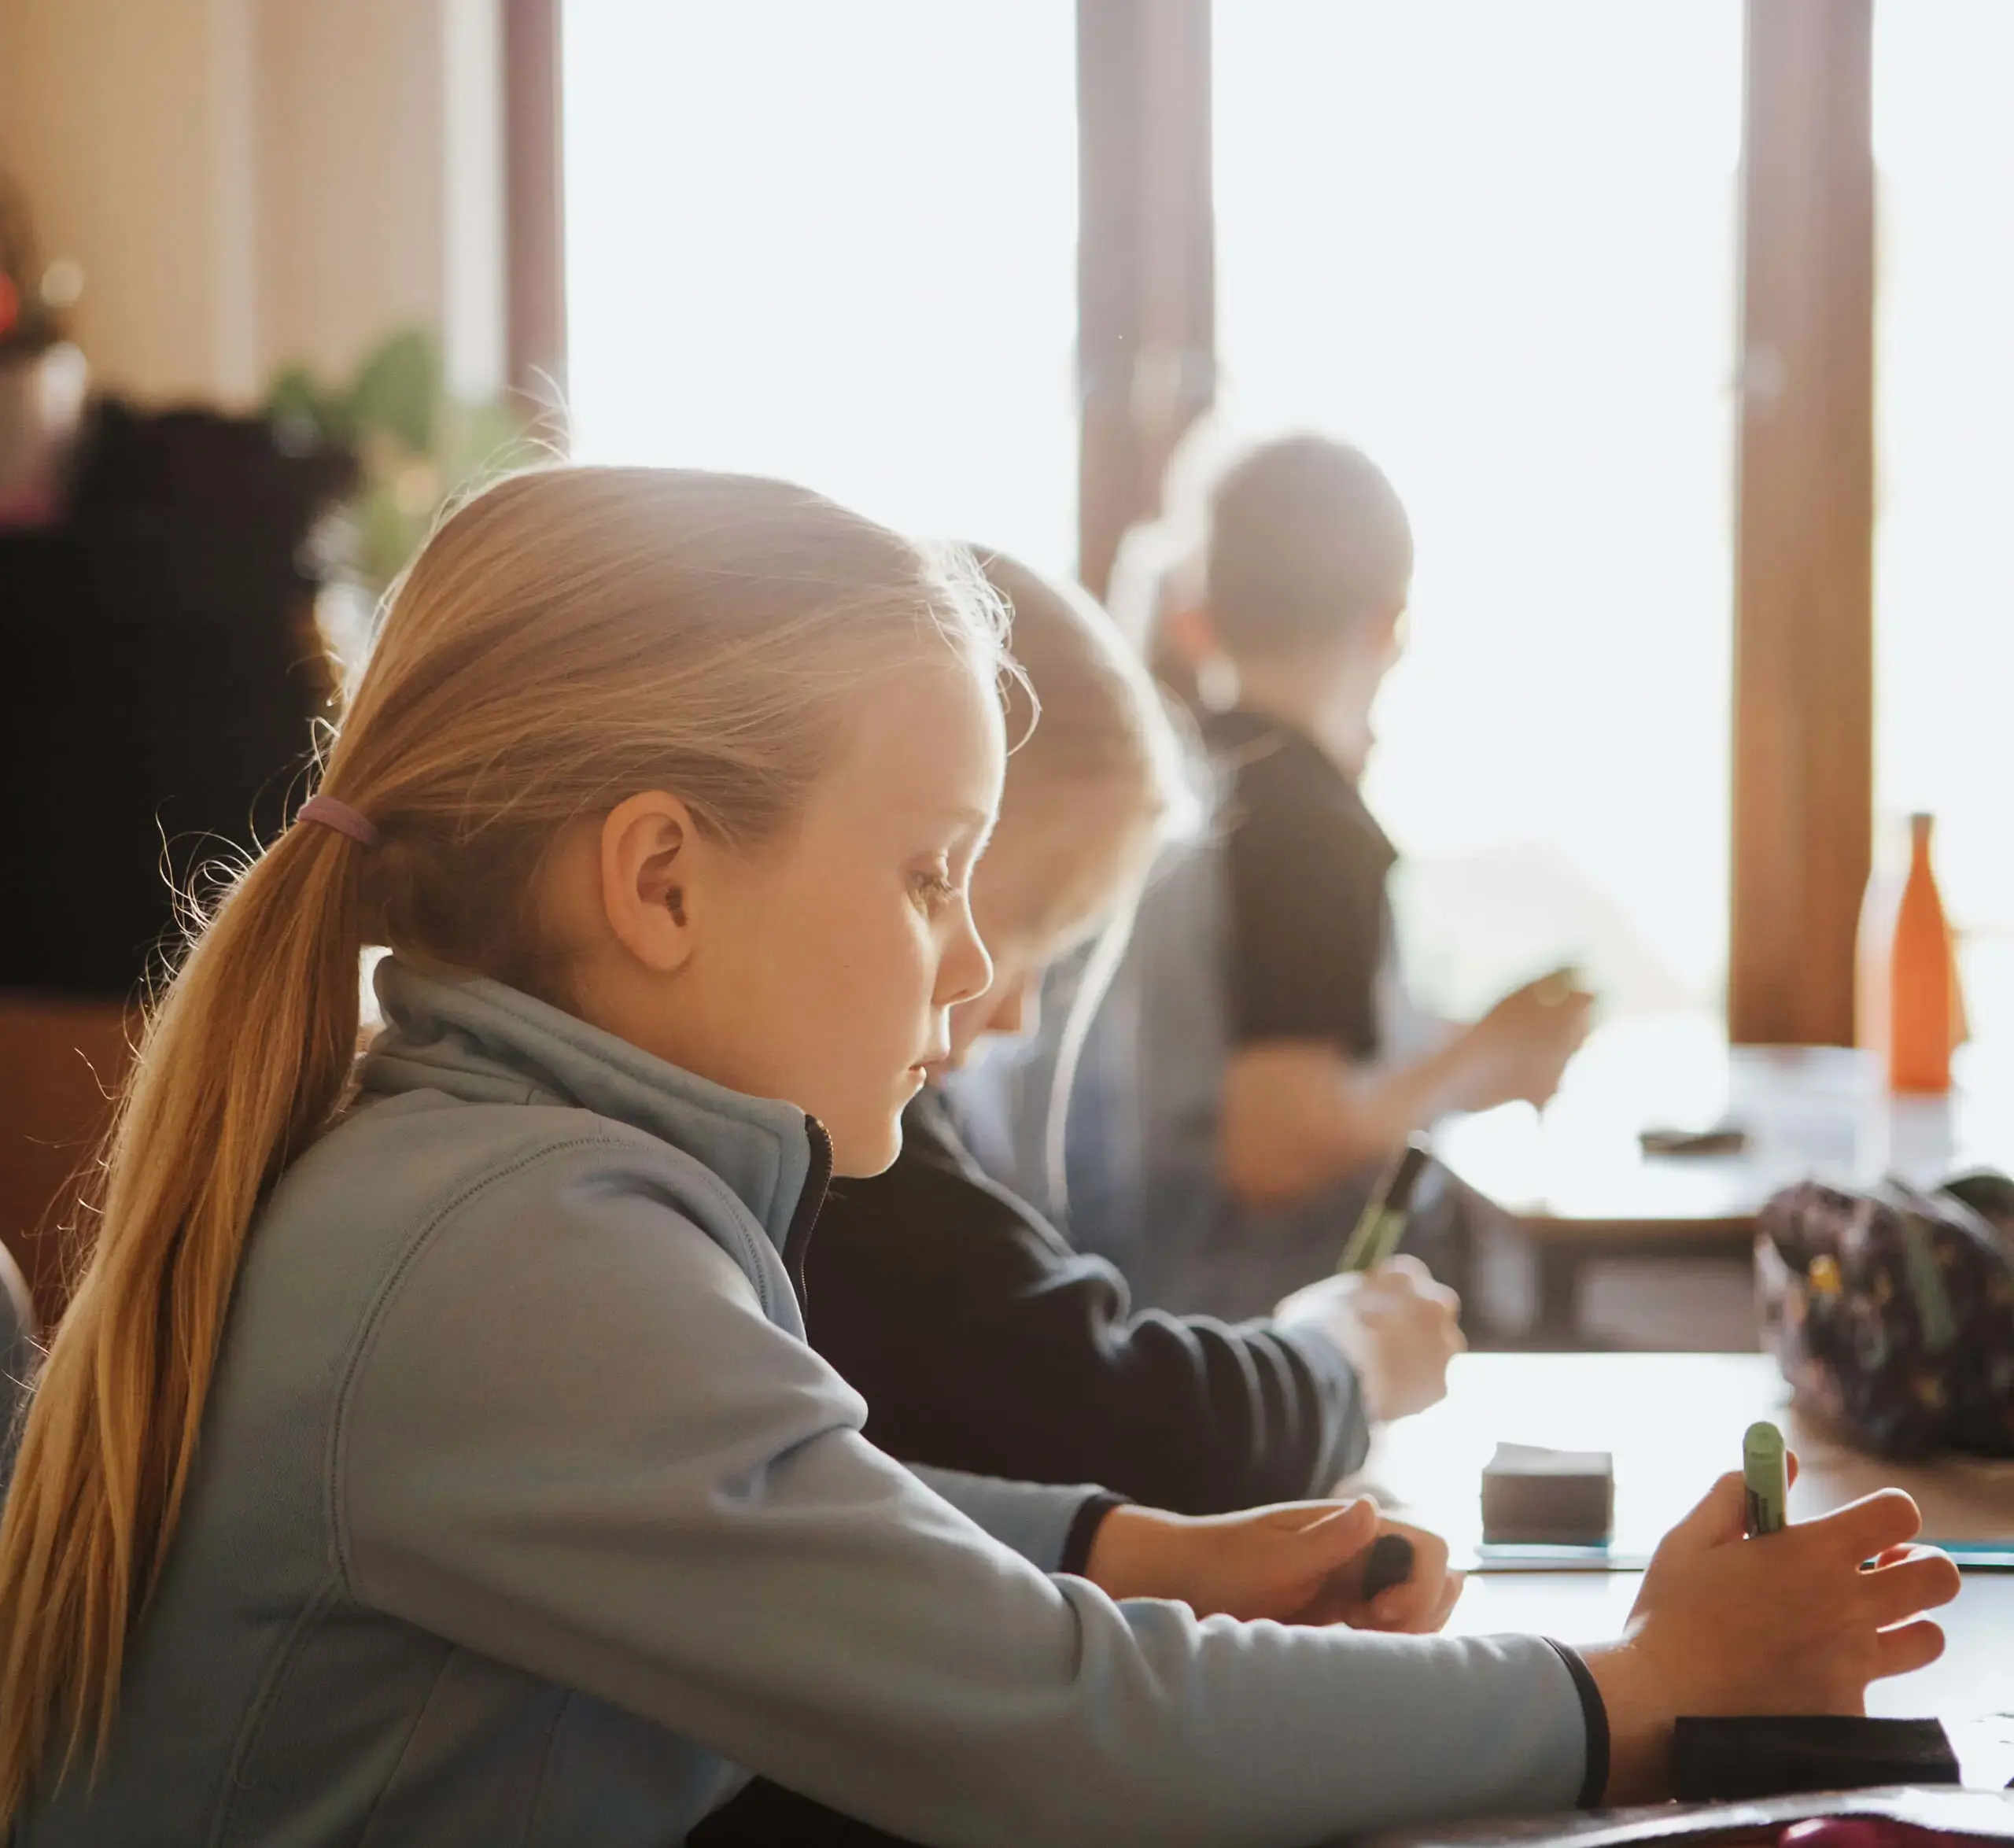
<point x="862" y="1158"/>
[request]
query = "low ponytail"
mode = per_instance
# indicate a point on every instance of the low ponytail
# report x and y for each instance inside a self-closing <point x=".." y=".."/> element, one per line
<point x="243" y="1060"/>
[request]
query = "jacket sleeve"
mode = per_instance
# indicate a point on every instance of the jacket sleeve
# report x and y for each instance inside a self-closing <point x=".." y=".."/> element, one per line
<point x="981" y="1342"/>
<point x="572" y="1442"/>
<point x="1050" y="1527"/>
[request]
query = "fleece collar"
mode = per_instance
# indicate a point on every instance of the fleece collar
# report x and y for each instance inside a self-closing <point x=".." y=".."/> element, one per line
<point x="476" y="1039"/>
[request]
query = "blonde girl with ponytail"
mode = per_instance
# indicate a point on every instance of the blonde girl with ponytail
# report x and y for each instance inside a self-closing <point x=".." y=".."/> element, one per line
<point x="430" y="1452"/>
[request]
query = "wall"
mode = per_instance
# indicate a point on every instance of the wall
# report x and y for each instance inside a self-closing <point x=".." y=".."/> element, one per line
<point x="250" y="181"/>
<point x="114" y="118"/>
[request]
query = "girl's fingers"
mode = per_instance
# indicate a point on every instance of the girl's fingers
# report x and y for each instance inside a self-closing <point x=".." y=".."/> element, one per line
<point x="1907" y="1647"/>
<point x="1422" y="1602"/>
<point x="1866" y="1528"/>
<point x="1331" y="1607"/>
<point x="1431" y="1609"/>
<point x="1335" y="1537"/>
<point x="1425" y="1612"/>
<point x="1401" y="1607"/>
<point x="1922" y="1581"/>
<point x="1428" y="1548"/>
<point x="1720" y="1515"/>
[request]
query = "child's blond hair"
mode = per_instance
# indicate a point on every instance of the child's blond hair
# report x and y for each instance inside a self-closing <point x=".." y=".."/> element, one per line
<point x="566" y="639"/>
<point x="1103" y="736"/>
<point x="1088" y="719"/>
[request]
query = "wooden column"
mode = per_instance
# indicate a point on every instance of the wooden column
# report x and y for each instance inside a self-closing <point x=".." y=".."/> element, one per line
<point x="1146" y="282"/>
<point x="1804" y="643"/>
<point x="534" y="226"/>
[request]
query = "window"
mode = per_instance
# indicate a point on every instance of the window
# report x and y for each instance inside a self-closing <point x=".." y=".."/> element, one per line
<point x="1944" y="572"/>
<point x="833" y="243"/>
<point x="1496" y="245"/>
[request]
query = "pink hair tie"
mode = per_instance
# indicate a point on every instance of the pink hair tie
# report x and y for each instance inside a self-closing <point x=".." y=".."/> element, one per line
<point x="341" y="817"/>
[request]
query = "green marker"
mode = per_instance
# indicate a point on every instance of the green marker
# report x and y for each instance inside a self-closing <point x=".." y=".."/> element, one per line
<point x="1767" y="1476"/>
<point x="1385" y="1216"/>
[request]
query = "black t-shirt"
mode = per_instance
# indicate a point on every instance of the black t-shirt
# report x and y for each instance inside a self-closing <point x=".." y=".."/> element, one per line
<point x="1309" y="924"/>
<point x="982" y="1341"/>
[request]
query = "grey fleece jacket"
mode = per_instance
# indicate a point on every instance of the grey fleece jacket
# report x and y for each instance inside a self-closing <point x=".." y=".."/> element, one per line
<point x="523" y="1514"/>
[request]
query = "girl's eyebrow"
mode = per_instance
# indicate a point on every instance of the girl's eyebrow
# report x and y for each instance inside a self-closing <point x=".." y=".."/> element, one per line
<point x="956" y="826"/>
<point x="964" y="819"/>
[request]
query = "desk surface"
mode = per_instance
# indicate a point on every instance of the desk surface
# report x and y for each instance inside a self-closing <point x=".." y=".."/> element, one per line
<point x="1673" y="1422"/>
<point x="1577" y="1167"/>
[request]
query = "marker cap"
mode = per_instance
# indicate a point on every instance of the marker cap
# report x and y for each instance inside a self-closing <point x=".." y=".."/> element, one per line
<point x="1765" y="1473"/>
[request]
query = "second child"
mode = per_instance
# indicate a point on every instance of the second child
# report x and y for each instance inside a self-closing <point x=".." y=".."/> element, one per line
<point x="979" y="1338"/>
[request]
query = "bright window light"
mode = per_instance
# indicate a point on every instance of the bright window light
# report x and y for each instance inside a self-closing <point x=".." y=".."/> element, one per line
<point x="1944" y="570"/>
<point x="1496" y="245"/>
<point x="835" y="243"/>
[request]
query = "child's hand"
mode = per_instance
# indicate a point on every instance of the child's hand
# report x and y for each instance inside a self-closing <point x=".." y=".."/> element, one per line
<point x="1395" y="1325"/>
<point x="1517" y="1051"/>
<point x="1419" y="1605"/>
<point x="1787" y="1623"/>
<point x="1301" y="1563"/>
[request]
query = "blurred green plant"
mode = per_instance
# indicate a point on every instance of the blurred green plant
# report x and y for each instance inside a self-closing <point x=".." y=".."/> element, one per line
<point x="416" y="447"/>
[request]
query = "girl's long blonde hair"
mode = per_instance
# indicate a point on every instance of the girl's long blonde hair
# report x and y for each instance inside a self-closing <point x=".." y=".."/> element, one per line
<point x="565" y="640"/>
<point x="1104" y="743"/>
<point x="1086" y="714"/>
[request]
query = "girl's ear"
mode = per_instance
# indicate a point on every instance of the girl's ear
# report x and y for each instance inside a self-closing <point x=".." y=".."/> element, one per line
<point x="649" y="851"/>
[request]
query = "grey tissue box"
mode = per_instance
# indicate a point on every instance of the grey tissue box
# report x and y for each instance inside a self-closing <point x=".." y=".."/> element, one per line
<point x="1536" y="1497"/>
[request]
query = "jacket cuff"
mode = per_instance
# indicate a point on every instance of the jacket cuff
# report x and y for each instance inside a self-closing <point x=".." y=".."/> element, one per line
<point x="1084" y="1530"/>
<point x="1594" y="1711"/>
<point x="1348" y="1423"/>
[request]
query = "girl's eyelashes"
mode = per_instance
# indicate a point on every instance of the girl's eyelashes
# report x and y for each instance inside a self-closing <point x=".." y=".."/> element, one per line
<point x="933" y="888"/>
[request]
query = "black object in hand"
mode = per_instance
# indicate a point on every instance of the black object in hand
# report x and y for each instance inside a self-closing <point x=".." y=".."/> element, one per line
<point x="1390" y="1563"/>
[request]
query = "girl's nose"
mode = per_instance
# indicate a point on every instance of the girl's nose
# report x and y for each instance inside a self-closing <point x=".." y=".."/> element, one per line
<point x="966" y="970"/>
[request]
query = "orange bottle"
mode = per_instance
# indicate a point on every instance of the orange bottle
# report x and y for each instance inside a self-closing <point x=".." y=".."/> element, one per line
<point x="1923" y="1010"/>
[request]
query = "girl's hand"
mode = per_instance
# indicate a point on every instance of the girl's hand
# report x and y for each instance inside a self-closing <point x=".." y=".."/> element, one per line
<point x="1396" y="1327"/>
<point x="1301" y="1563"/>
<point x="1786" y="1624"/>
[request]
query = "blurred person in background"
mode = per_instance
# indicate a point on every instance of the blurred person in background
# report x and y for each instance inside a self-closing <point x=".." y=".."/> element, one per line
<point x="1259" y="1060"/>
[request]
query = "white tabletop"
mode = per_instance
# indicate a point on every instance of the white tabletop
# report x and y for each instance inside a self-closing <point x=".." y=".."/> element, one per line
<point x="1809" y="1111"/>
<point x="1673" y="1422"/>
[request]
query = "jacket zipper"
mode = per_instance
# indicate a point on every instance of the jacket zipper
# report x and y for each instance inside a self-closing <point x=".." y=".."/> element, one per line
<point x="811" y="1203"/>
